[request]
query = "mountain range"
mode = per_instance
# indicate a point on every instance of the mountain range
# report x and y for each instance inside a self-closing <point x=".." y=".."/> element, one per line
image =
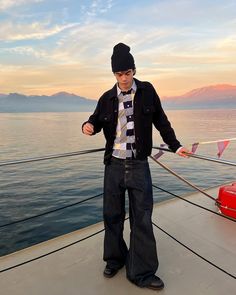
<point x="58" y="102"/>
<point x="215" y="96"/>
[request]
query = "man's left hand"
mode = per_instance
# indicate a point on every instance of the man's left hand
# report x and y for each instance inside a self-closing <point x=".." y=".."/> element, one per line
<point x="182" y="152"/>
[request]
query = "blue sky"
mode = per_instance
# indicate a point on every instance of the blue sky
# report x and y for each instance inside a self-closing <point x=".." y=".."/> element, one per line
<point x="49" y="46"/>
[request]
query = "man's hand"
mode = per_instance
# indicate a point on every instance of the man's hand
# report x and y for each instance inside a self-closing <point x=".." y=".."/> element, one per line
<point x="182" y="152"/>
<point x="88" y="129"/>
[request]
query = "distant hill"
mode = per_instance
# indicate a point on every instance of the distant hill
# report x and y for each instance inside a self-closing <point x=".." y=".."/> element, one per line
<point x="215" y="96"/>
<point x="59" y="102"/>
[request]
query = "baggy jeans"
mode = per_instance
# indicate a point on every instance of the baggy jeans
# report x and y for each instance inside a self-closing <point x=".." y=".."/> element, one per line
<point x="140" y="259"/>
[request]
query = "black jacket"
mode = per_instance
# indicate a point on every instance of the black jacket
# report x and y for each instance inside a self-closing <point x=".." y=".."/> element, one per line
<point x="147" y="111"/>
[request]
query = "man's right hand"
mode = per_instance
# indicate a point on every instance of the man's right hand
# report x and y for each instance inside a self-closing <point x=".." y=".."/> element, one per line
<point x="88" y="129"/>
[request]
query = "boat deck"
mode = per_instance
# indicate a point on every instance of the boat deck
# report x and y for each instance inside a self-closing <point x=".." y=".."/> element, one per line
<point x="78" y="269"/>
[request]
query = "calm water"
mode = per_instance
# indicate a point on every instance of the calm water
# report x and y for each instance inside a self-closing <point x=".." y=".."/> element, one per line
<point x="33" y="188"/>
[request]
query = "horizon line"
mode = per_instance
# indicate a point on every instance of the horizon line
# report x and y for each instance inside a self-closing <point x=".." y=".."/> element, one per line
<point x="73" y="93"/>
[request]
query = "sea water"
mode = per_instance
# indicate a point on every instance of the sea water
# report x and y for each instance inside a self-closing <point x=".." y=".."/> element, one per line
<point x="33" y="188"/>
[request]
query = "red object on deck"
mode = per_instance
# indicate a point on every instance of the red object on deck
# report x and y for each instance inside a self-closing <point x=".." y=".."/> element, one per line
<point x="227" y="200"/>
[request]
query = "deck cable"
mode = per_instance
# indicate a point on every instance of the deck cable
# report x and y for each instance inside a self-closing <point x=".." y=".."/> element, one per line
<point x="51" y="252"/>
<point x="199" y="157"/>
<point x="87" y="237"/>
<point x="77" y="203"/>
<point x="54" y="251"/>
<point x="195" y="253"/>
<point x="182" y="178"/>
<point x="49" y="157"/>
<point x="51" y="211"/>
<point x="217" y="202"/>
<point x="83" y="152"/>
<point x="194" y="204"/>
<point x="71" y="244"/>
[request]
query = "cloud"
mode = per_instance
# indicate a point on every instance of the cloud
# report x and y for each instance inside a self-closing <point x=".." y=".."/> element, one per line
<point x="97" y="7"/>
<point x="89" y="82"/>
<point x="92" y="47"/>
<point x="26" y="51"/>
<point x="50" y="79"/>
<point x="228" y="43"/>
<point x="37" y="30"/>
<point x="89" y="43"/>
<point x="6" y="4"/>
<point x="92" y="43"/>
<point x="184" y="13"/>
<point x="174" y="42"/>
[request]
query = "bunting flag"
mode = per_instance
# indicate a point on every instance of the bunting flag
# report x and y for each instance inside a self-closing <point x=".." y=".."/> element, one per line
<point x="221" y="147"/>
<point x="216" y="141"/>
<point x="160" y="153"/>
<point x="221" y="144"/>
<point x="194" y="147"/>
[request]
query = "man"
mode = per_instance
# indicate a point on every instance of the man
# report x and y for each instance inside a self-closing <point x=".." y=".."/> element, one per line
<point x="126" y="114"/>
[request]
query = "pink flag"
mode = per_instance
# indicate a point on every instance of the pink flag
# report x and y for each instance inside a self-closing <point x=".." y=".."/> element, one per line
<point x="194" y="147"/>
<point x="221" y="147"/>
<point x="160" y="153"/>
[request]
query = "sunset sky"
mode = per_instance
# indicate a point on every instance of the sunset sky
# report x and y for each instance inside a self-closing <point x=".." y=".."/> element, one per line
<point x="48" y="46"/>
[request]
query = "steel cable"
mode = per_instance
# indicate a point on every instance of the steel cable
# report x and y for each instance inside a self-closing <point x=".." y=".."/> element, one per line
<point x="51" y="211"/>
<point x="194" y="204"/>
<point x="194" y="252"/>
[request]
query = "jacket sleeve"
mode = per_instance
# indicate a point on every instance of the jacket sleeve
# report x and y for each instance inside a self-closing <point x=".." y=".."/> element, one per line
<point x="163" y="125"/>
<point x="94" y="119"/>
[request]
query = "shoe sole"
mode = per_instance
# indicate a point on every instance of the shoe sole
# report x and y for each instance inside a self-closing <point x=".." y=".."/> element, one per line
<point x="110" y="276"/>
<point x="155" y="288"/>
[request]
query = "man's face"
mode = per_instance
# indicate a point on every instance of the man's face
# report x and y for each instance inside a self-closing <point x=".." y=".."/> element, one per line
<point x="125" y="79"/>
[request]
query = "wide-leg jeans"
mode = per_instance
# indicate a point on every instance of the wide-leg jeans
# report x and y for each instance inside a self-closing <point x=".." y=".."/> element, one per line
<point x="140" y="259"/>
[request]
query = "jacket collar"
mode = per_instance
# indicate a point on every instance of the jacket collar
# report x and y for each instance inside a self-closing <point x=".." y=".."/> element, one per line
<point x="113" y="92"/>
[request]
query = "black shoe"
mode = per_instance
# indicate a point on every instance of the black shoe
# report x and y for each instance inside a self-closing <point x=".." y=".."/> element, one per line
<point x="156" y="284"/>
<point x="110" y="272"/>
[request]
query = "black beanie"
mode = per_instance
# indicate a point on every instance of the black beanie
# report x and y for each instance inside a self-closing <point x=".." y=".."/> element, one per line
<point x="121" y="59"/>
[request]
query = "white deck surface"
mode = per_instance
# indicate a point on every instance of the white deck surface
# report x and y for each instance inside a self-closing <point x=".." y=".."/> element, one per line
<point x="78" y="269"/>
